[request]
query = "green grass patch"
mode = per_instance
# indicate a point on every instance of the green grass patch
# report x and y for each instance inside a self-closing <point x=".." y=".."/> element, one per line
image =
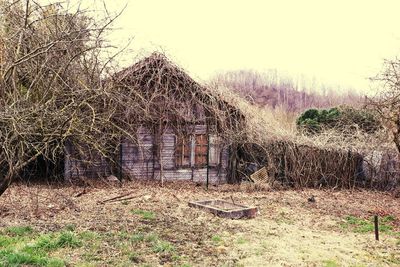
<point x="156" y="244"/>
<point x="137" y="237"/>
<point x="86" y="248"/>
<point x="388" y="219"/>
<point x="360" y="225"/>
<point x="18" y="230"/>
<point x="147" y="215"/>
<point x="70" y="227"/>
<point x="23" y="246"/>
<point x="141" y="237"/>
<point x="161" y="246"/>
<point x="6" y="241"/>
<point x="86" y="236"/>
<point x="15" y="258"/>
<point x="123" y="235"/>
<point x="33" y="250"/>
<point x="241" y="240"/>
<point x="68" y="239"/>
<point x="46" y="243"/>
<point x="151" y="237"/>
<point x="216" y="239"/>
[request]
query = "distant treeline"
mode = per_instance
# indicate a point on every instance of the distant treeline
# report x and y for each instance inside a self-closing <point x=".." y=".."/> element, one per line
<point x="293" y="94"/>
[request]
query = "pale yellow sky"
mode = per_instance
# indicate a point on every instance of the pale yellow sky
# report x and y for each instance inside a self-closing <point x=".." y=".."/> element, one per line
<point x="339" y="42"/>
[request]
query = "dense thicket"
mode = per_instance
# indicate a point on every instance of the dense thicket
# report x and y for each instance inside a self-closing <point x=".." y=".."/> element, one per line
<point x="50" y="89"/>
<point x="344" y="119"/>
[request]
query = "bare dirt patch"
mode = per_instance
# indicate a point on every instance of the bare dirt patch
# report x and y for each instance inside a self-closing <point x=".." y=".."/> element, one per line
<point x="157" y="227"/>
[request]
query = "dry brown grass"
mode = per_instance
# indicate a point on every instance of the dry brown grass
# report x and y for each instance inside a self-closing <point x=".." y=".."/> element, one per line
<point x="289" y="231"/>
<point x="265" y="125"/>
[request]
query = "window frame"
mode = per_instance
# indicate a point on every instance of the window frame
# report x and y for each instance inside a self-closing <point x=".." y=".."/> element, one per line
<point x="215" y="150"/>
<point x="201" y="154"/>
<point x="182" y="151"/>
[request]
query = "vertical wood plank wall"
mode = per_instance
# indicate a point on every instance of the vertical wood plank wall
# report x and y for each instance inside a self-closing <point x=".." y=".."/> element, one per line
<point x="140" y="160"/>
<point x="137" y="166"/>
<point x="137" y="159"/>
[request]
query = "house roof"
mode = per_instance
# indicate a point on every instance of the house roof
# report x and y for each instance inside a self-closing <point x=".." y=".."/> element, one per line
<point x="157" y="72"/>
<point x="167" y="90"/>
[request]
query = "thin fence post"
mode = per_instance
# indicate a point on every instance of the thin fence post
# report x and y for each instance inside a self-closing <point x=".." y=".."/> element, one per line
<point x="376" y="227"/>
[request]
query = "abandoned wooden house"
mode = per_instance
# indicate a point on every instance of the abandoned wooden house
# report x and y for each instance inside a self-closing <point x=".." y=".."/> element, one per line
<point x="181" y="131"/>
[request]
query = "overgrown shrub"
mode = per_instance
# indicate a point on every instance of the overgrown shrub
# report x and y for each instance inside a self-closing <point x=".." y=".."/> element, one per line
<point x="342" y="118"/>
<point x="301" y="166"/>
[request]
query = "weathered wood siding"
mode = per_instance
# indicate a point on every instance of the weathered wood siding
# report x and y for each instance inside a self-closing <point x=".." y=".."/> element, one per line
<point x="141" y="160"/>
<point x="138" y="159"/>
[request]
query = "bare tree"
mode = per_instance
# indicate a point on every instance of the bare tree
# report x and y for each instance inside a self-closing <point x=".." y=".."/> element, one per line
<point x="50" y="86"/>
<point x="387" y="102"/>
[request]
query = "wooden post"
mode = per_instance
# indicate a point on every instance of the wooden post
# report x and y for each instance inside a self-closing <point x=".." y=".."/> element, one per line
<point x="376" y="227"/>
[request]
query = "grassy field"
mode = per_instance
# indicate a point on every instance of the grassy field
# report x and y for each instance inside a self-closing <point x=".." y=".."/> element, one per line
<point x="66" y="226"/>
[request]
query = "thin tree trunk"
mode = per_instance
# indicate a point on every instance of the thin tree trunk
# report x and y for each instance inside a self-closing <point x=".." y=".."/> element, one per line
<point x="21" y="36"/>
<point x="8" y="179"/>
<point x="6" y="182"/>
<point x="396" y="133"/>
<point x="4" y="185"/>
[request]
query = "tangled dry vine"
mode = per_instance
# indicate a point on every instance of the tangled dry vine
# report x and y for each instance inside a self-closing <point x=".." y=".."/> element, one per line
<point x="56" y="88"/>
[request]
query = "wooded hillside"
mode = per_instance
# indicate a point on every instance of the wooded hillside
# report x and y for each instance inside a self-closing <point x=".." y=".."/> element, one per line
<point x="274" y="90"/>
